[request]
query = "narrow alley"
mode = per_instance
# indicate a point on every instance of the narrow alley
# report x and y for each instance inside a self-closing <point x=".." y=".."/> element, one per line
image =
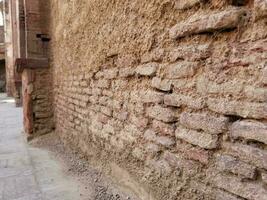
<point x="28" y="173"/>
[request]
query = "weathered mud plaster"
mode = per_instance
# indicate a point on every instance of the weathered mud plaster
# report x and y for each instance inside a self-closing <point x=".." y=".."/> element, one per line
<point x="172" y="92"/>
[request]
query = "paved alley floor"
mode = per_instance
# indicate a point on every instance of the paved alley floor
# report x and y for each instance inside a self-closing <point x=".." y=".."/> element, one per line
<point x="28" y="173"/>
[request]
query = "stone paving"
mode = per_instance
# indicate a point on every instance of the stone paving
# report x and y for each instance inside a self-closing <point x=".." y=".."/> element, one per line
<point x="28" y="173"/>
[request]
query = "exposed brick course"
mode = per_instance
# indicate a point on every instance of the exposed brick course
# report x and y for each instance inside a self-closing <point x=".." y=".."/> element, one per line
<point x="235" y="166"/>
<point x="201" y="139"/>
<point x="172" y="91"/>
<point x="226" y="19"/>
<point x="205" y="122"/>
<point x="247" y="190"/>
<point x="250" y="130"/>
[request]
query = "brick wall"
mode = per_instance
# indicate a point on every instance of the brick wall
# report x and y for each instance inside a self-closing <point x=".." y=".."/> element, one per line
<point x="37" y="102"/>
<point x="174" y="92"/>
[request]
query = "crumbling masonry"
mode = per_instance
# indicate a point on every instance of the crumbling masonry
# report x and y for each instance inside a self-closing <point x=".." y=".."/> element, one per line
<point x="172" y="92"/>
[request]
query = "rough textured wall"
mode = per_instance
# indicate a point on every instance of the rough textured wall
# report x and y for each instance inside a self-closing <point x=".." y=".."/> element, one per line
<point x="37" y="102"/>
<point x="172" y="91"/>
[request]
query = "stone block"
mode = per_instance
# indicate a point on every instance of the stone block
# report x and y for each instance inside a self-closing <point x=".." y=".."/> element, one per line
<point x="181" y="70"/>
<point x="110" y="73"/>
<point x="102" y="83"/>
<point x="190" y="53"/>
<point x="238" y="108"/>
<point x="148" y="69"/>
<point x="211" y="22"/>
<point x="233" y="87"/>
<point x="43" y="115"/>
<point x="213" y="193"/>
<point x="183" y="100"/>
<point x="196" y="154"/>
<point x="183" y="84"/>
<point x="256" y="93"/>
<point x="99" y="75"/>
<point x="189" y="168"/>
<point x="139" y="108"/>
<point x="173" y="100"/>
<point x="151" y="96"/>
<point x="127" y="60"/>
<point x="165" y="141"/>
<point x="252" y="155"/>
<point x="247" y="190"/>
<point x="150" y="135"/>
<point x="126" y="72"/>
<point x="161" y="84"/>
<point x="201" y="139"/>
<point x="205" y="122"/>
<point x="227" y="163"/>
<point x="140" y="121"/>
<point x="162" y="114"/>
<point x="156" y="55"/>
<point x="250" y="130"/>
<point x="186" y="4"/>
<point x="163" y="128"/>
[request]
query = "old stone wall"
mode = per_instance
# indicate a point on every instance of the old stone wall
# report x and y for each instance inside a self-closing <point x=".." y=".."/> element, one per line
<point x="174" y="92"/>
